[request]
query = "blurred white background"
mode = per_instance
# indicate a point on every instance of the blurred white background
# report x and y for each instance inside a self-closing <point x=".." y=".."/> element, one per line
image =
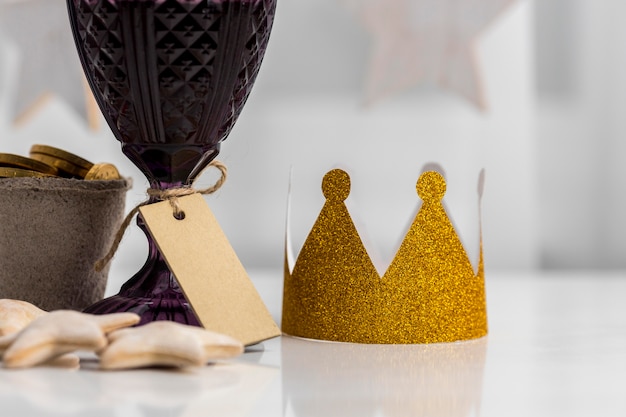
<point x="580" y="132"/>
<point x="549" y="141"/>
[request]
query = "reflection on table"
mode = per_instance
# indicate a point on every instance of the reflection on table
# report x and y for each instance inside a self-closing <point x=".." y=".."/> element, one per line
<point x="389" y="380"/>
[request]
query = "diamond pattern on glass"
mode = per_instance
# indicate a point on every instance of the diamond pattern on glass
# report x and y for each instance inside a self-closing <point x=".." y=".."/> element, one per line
<point x="192" y="87"/>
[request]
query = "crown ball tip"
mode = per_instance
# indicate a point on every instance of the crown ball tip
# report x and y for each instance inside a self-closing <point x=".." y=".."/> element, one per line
<point x="431" y="186"/>
<point x="336" y="185"/>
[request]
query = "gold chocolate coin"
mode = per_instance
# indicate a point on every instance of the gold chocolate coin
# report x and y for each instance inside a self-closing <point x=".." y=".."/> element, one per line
<point x="66" y="169"/>
<point x="17" y="161"/>
<point x="18" y="172"/>
<point x="61" y="154"/>
<point x="103" y="172"/>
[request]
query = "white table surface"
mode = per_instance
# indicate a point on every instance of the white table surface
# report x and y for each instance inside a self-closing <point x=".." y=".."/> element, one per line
<point x="556" y="347"/>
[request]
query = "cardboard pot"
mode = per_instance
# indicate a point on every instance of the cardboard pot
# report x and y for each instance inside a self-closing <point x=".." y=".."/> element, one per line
<point x="52" y="231"/>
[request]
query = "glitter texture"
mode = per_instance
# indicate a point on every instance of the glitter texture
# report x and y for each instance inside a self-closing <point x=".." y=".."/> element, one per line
<point x="429" y="294"/>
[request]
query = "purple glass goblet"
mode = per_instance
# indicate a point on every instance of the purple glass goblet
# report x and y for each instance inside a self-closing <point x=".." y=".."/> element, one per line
<point x="171" y="78"/>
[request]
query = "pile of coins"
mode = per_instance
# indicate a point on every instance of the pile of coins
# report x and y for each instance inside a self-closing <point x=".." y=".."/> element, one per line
<point x="49" y="162"/>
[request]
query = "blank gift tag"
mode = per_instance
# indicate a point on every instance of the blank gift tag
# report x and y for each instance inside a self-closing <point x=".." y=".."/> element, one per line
<point x="205" y="265"/>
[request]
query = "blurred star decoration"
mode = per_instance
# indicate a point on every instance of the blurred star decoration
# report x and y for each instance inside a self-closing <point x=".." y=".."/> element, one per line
<point x="426" y="41"/>
<point x="48" y="61"/>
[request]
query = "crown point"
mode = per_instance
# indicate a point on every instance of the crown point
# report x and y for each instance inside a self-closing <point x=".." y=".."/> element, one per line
<point x="336" y="185"/>
<point x="431" y="186"/>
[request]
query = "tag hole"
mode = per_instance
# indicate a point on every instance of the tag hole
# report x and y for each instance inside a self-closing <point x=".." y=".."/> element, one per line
<point x="180" y="215"/>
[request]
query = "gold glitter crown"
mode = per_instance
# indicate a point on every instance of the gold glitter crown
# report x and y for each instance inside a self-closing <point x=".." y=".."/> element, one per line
<point x="429" y="293"/>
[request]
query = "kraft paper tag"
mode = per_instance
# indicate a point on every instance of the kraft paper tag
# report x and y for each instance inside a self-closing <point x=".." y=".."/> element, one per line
<point x="211" y="276"/>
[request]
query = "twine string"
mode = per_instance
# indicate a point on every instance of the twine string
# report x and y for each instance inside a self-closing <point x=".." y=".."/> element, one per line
<point x="171" y="195"/>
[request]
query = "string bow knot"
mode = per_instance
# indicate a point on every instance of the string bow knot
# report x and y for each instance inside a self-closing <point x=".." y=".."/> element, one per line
<point x="171" y="195"/>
